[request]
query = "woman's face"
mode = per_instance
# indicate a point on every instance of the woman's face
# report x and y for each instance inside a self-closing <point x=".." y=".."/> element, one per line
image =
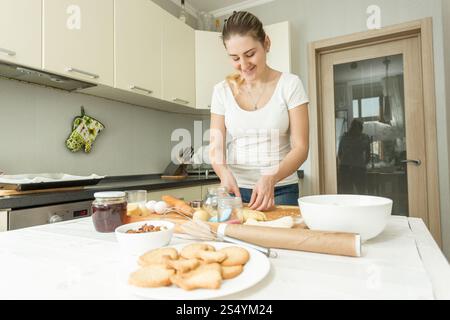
<point x="248" y="56"/>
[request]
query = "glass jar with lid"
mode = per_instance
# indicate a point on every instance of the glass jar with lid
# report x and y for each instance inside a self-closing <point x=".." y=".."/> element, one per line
<point x="109" y="210"/>
<point x="211" y="199"/>
<point x="228" y="207"/>
<point x="197" y="204"/>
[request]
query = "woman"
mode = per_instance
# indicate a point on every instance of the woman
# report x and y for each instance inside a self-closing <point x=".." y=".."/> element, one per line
<point x="265" y="114"/>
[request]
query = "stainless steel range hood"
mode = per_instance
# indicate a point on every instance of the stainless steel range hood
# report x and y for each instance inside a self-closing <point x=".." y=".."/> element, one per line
<point x="40" y="77"/>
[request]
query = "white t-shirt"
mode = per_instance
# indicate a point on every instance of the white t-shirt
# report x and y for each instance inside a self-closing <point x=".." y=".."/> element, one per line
<point x="257" y="141"/>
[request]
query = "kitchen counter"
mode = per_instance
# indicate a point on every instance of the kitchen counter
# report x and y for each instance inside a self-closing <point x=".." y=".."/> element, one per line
<point x="69" y="260"/>
<point x="151" y="182"/>
<point x="142" y="182"/>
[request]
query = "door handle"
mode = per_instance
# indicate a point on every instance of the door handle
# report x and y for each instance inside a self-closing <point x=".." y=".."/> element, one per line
<point x="141" y="89"/>
<point x="92" y="75"/>
<point x="180" y="100"/>
<point x="8" y="52"/>
<point x="416" y="162"/>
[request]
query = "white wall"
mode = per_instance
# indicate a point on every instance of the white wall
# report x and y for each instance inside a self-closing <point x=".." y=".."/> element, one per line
<point x="313" y="20"/>
<point x="35" y="121"/>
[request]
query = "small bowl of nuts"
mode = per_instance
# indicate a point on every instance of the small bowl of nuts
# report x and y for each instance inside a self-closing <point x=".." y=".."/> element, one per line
<point x="139" y="237"/>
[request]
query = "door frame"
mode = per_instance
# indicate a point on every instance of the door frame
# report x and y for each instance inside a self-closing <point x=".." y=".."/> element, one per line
<point x="424" y="30"/>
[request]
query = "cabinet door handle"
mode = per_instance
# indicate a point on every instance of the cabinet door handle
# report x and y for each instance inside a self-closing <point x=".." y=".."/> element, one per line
<point x="8" y="52"/>
<point x="180" y="100"/>
<point x="92" y="75"/>
<point x="416" y="162"/>
<point x="141" y="89"/>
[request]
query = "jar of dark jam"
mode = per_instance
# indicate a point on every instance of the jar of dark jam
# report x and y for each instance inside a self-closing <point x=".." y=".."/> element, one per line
<point x="109" y="210"/>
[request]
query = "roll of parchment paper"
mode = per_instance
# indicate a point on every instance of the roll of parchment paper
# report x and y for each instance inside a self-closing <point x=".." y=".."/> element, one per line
<point x="335" y="243"/>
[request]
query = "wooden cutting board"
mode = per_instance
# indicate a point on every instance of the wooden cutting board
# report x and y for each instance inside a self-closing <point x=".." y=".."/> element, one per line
<point x="277" y="213"/>
<point x="4" y="193"/>
<point x="173" y="177"/>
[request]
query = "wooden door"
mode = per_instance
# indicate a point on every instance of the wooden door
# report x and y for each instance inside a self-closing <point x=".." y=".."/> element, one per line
<point x="373" y="124"/>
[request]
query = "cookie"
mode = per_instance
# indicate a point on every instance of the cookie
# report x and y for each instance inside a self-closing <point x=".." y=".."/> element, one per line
<point x="151" y="277"/>
<point x="231" y="272"/>
<point x="182" y="265"/>
<point x="190" y="251"/>
<point x="208" y="266"/>
<point x="211" y="256"/>
<point x="207" y="276"/>
<point x="235" y="256"/>
<point x="157" y="256"/>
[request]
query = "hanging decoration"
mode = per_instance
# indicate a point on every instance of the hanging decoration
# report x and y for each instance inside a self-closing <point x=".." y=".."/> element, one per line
<point x="85" y="130"/>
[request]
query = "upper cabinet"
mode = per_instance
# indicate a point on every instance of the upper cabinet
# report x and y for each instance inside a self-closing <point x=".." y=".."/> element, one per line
<point x="78" y="39"/>
<point x="132" y="45"/>
<point x="20" y="32"/>
<point x="137" y="46"/>
<point x="279" y="57"/>
<point x="212" y="65"/>
<point x="178" y="61"/>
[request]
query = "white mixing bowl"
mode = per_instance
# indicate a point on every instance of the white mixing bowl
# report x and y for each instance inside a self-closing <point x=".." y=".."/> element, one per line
<point x="140" y="243"/>
<point x="364" y="215"/>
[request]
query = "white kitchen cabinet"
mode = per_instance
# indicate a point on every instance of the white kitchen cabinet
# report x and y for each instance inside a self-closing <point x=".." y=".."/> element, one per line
<point x="3" y="221"/>
<point x="186" y="194"/>
<point x="137" y="45"/>
<point x="279" y="57"/>
<point x="20" y="32"/>
<point x="78" y="39"/>
<point x="178" y="62"/>
<point x="213" y="65"/>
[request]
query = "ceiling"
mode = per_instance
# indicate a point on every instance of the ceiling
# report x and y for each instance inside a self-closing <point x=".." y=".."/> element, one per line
<point x="208" y="5"/>
<point x="219" y="7"/>
<point x="366" y="70"/>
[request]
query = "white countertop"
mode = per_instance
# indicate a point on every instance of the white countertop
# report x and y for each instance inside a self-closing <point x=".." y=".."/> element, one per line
<point x="70" y="260"/>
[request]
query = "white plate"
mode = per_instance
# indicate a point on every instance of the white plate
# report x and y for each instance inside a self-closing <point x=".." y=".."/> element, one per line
<point x="255" y="270"/>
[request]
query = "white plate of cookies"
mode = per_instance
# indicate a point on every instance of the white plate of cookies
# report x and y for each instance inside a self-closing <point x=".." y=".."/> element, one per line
<point x="197" y="271"/>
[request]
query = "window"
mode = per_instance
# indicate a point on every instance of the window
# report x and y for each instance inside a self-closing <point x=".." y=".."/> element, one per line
<point x="370" y="107"/>
<point x="367" y="109"/>
<point x="356" y="108"/>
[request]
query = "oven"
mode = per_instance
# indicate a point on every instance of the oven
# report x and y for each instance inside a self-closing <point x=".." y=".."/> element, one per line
<point x="29" y="217"/>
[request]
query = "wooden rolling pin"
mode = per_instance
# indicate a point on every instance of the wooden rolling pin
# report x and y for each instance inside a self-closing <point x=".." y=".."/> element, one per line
<point x="335" y="243"/>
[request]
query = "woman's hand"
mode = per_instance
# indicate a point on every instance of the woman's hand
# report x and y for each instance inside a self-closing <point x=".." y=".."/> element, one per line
<point x="227" y="180"/>
<point x="263" y="197"/>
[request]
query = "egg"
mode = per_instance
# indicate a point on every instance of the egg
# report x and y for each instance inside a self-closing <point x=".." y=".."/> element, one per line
<point x="150" y="205"/>
<point x="201" y="215"/>
<point x="160" y="207"/>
